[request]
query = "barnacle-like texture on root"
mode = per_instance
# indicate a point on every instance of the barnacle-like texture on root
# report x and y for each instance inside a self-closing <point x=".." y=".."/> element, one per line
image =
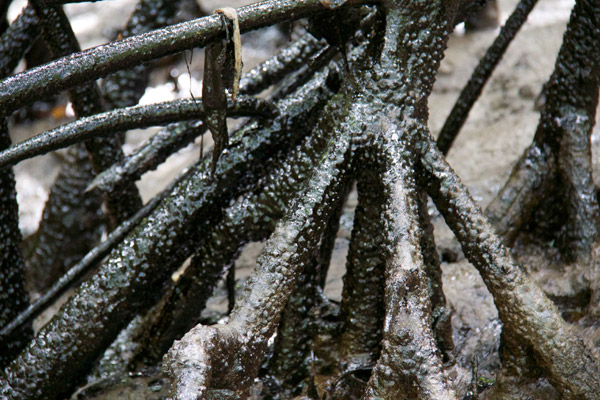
<point x="286" y="180"/>
<point x="410" y="365"/>
<point x="362" y="308"/>
<point x="558" y="162"/>
<point x="291" y="361"/>
<point x="440" y="311"/>
<point x="132" y="276"/>
<point x="87" y="263"/>
<point x="395" y="92"/>
<point x="13" y="297"/>
<point x="251" y="217"/>
<point x="17" y="39"/>
<point x="523" y="307"/>
<point x="302" y="318"/>
<point x="87" y="100"/>
<point x="75" y="235"/>
<point x="230" y="354"/>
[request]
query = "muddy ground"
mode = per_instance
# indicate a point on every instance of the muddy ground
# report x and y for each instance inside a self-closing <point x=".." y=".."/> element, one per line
<point x="499" y="128"/>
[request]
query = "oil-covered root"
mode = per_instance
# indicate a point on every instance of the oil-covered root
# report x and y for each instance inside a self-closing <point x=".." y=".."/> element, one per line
<point x="256" y="314"/>
<point x="524" y="309"/>
<point x="410" y="365"/>
<point x="556" y="168"/>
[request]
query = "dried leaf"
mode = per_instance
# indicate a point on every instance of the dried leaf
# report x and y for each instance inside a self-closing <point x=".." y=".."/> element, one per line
<point x="222" y="72"/>
<point x="236" y="39"/>
<point x="214" y="97"/>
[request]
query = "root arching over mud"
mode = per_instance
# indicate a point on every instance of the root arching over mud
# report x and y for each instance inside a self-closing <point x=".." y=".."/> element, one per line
<point x="342" y="107"/>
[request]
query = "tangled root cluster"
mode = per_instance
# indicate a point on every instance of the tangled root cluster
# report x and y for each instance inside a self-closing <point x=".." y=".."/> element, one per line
<point x="348" y="105"/>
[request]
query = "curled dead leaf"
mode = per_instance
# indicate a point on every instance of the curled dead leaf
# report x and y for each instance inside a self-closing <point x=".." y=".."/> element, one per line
<point x="222" y="72"/>
<point x="231" y="14"/>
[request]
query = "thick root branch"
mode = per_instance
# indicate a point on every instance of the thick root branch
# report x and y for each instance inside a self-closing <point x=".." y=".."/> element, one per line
<point x="410" y="365"/>
<point x="523" y="307"/>
<point x="256" y="315"/>
<point x="558" y="163"/>
<point x="362" y="297"/>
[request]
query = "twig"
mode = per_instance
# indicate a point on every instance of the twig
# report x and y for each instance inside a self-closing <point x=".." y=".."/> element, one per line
<point x="119" y="120"/>
<point x="100" y="61"/>
<point x="173" y="138"/>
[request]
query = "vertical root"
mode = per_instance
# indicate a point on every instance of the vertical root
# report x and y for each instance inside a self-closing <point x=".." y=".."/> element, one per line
<point x="575" y="168"/>
<point x="481" y="74"/>
<point x="558" y="162"/>
<point x="362" y="309"/>
<point x="87" y="100"/>
<point x="511" y="208"/>
<point x="74" y="236"/>
<point x="410" y="365"/>
<point x="295" y="332"/>
<point x="13" y="296"/>
<point x="441" y="314"/>
<point x="17" y="39"/>
<point x="301" y="319"/>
